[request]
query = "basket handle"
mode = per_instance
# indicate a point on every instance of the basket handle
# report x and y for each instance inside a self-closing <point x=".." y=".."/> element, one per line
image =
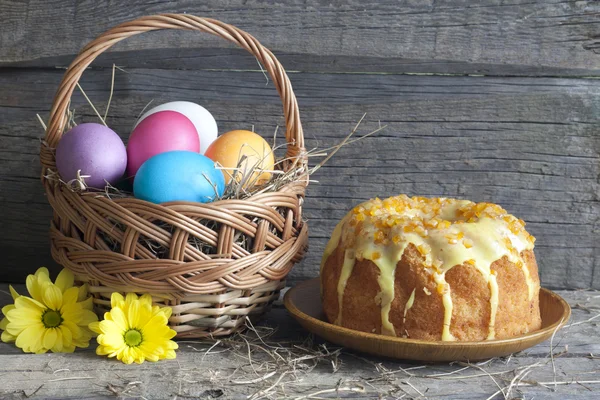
<point x="58" y="119"/>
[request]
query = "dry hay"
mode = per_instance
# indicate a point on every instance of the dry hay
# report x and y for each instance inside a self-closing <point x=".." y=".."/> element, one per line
<point x="242" y="185"/>
<point x="243" y="182"/>
<point x="275" y="369"/>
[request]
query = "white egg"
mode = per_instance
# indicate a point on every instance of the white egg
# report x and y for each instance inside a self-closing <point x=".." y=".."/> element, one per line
<point x="201" y="118"/>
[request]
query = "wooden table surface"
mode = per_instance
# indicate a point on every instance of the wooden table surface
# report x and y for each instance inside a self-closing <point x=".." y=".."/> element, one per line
<point x="289" y="363"/>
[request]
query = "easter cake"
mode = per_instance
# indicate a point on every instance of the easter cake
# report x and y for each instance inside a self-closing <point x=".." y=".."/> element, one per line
<point x="431" y="269"/>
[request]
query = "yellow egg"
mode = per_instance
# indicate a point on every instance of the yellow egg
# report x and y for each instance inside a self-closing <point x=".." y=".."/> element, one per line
<point x="229" y="148"/>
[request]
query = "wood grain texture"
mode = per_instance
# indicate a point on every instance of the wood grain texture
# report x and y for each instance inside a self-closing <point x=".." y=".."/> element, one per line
<point x="529" y="144"/>
<point x="195" y="374"/>
<point x="491" y="37"/>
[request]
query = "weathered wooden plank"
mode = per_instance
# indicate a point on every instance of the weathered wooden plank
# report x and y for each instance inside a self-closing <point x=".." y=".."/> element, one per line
<point x="539" y="37"/>
<point x="225" y="371"/>
<point x="530" y="144"/>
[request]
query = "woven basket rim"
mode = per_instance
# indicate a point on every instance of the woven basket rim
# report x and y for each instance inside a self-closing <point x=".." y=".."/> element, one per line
<point x="57" y="122"/>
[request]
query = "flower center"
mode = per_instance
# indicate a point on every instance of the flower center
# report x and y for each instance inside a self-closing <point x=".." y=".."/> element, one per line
<point x="133" y="338"/>
<point x="51" y="318"/>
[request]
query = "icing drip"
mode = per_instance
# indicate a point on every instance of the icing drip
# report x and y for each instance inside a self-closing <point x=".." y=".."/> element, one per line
<point x="387" y="268"/>
<point x="446" y="233"/>
<point x="409" y="304"/>
<point x="530" y="284"/>
<point x="349" y="258"/>
<point x="493" y="284"/>
<point x="333" y="242"/>
<point x="444" y="290"/>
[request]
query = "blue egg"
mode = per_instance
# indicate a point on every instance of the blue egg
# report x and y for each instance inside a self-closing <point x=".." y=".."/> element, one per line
<point x="178" y="176"/>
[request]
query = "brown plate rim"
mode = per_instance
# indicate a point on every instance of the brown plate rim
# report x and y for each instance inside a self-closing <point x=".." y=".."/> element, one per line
<point x="299" y="314"/>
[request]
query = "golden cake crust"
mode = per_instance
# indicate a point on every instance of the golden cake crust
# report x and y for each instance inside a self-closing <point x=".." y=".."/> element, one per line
<point x="417" y="309"/>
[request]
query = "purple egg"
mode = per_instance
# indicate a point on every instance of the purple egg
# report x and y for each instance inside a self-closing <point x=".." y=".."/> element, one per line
<point x="95" y="150"/>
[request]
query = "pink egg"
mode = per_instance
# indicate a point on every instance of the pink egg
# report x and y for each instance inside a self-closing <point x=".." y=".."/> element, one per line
<point x="158" y="133"/>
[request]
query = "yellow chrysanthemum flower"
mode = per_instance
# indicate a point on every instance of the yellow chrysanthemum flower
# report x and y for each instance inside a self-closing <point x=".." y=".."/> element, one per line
<point x="7" y="337"/>
<point x="135" y="331"/>
<point x="55" y="317"/>
<point x="64" y="280"/>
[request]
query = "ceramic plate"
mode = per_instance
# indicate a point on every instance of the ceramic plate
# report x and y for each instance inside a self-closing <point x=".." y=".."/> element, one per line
<point x="304" y="303"/>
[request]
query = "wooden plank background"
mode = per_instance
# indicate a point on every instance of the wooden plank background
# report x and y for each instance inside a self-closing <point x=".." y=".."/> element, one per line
<point x="483" y="100"/>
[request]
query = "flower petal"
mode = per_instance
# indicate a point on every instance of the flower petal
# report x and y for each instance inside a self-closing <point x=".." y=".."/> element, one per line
<point x="13" y="292"/>
<point x="16" y="329"/>
<point x="70" y="295"/>
<point x="167" y="311"/>
<point x="68" y="349"/>
<point x="111" y="327"/>
<point x="95" y="327"/>
<point x="146" y="299"/>
<point x="34" y="287"/>
<point x="88" y="303"/>
<point x="170" y="355"/>
<point x="134" y="314"/>
<point x="102" y="350"/>
<point x="24" y="301"/>
<point x="72" y="312"/>
<point x="83" y="292"/>
<point x="111" y="340"/>
<point x="125" y="356"/>
<point x="156" y="310"/>
<point x="30" y="339"/>
<point x="152" y="349"/>
<point x="65" y="280"/>
<point x="42" y="274"/>
<point x="137" y="354"/>
<point x="87" y="317"/>
<point x="118" y="316"/>
<point x="41" y="350"/>
<point x="24" y="315"/>
<point x="7" y="337"/>
<point x="82" y="342"/>
<point x="130" y="298"/>
<point x="156" y="321"/>
<point x="116" y="299"/>
<point x="7" y="308"/>
<point x="76" y="331"/>
<point x="58" y="345"/>
<point x="53" y="297"/>
<point x="49" y="339"/>
<point x="67" y="335"/>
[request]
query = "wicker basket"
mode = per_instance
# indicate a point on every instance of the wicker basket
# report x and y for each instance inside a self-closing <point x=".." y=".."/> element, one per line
<point x="108" y="243"/>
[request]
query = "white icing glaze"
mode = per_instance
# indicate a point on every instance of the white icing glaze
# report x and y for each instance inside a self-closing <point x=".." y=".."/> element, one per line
<point x="446" y="232"/>
<point x="444" y="288"/>
<point x="493" y="284"/>
<point x="349" y="258"/>
<point x="333" y="242"/>
<point x="408" y="305"/>
<point x="386" y="279"/>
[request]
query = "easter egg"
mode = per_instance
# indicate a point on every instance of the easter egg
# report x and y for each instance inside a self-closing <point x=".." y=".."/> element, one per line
<point x="94" y="150"/>
<point x="205" y="123"/>
<point x="231" y="147"/>
<point x="158" y="133"/>
<point x="178" y="176"/>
